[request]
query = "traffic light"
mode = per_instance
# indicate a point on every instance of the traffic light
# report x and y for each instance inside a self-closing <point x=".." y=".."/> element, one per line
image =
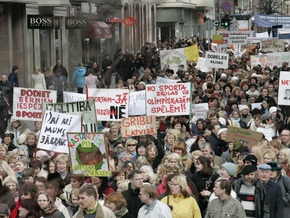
<point x="225" y="21"/>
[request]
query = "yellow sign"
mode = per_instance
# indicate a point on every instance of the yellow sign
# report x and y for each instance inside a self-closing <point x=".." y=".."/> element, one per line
<point x="191" y="53"/>
<point x="218" y="39"/>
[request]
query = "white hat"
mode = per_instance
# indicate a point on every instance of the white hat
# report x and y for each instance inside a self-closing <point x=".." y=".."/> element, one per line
<point x="234" y="78"/>
<point x="254" y="75"/>
<point x="272" y="109"/>
<point x="222" y="120"/>
<point x="223" y="75"/>
<point x="222" y="130"/>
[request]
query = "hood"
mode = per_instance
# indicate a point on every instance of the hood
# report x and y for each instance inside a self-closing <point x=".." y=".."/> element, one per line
<point x="80" y="70"/>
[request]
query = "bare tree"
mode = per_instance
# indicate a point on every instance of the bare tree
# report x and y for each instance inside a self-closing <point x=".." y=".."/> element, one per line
<point x="270" y="7"/>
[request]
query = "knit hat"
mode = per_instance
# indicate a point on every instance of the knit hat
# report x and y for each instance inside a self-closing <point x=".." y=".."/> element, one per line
<point x="222" y="120"/>
<point x="265" y="117"/>
<point x="248" y="169"/>
<point x="243" y="107"/>
<point x="275" y="166"/>
<point x="222" y="130"/>
<point x="252" y="158"/>
<point x="272" y="109"/>
<point x="223" y="75"/>
<point x="230" y="168"/>
<point x="42" y="154"/>
<point x="237" y="145"/>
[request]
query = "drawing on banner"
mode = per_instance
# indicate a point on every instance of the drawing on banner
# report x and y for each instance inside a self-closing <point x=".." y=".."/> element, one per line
<point x="72" y="97"/>
<point x="86" y="109"/>
<point x="172" y="58"/>
<point x="284" y="88"/>
<point x="88" y="153"/>
<point x="169" y="99"/>
<point x="135" y="126"/>
<point x="28" y="103"/>
<point x="54" y="128"/>
<point x="137" y="103"/>
<point x="111" y="104"/>
<point x="217" y="60"/>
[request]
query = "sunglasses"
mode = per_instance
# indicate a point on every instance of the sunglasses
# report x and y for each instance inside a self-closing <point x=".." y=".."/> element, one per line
<point x="131" y="144"/>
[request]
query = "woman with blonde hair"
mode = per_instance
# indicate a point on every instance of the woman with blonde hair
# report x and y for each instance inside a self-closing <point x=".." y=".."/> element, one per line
<point x="148" y="175"/>
<point x="259" y="149"/>
<point x="151" y="155"/>
<point x="284" y="158"/>
<point x="38" y="79"/>
<point x="123" y="185"/>
<point x="180" y="201"/>
<point x="269" y="156"/>
<point x="175" y="160"/>
<point x="172" y="136"/>
<point x="141" y="161"/>
<point x="5" y="170"/>
<point x="131" y="145"/>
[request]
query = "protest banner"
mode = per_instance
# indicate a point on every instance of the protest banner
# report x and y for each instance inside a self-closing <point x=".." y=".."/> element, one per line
<point x="226" y="34"/>
<point x="168" y="99"/>
<point x="191" y="53"/>
<point x="200" y="63"/>
<point x="200" y="110"/>
<point x="249" y="137"/>
<point x="237" y="39"/>
<point x="72" y="97"/>
<point x="258" y="60"/>
<point x="88" y="154"/>
<point x="284" y="88"/>
<point x="277" y="59"/>
<point x="172" y="58"/>
<point x="162" y="80"/>
<point x="27" y="103"/>
<point x="135" y="126"/>
<point x="273" y="45"/>
<point x="111" y="104"/>
<point x="137" y="103"/>
<point x="54" y="128"/>
<point x="217" y="60"/>
<point x="218" y="39"/>
<point x="256" y="105"/>
<point x="271" y="20"/>
<point x="262" y="35"/>
<point x="86" y="109"/>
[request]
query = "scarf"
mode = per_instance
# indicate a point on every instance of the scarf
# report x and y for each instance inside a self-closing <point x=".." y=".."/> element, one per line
<point x="120" y="213"/>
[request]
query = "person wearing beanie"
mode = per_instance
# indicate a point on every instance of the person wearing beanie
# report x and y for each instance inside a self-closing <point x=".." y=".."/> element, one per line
<point x="251" y="193"/>
<point x="251" y="159"/>
<point x="284" y="183"/>
<point x="228" y="171"/>
<point x="273" y="191"/>
<point x="245" y="114"/>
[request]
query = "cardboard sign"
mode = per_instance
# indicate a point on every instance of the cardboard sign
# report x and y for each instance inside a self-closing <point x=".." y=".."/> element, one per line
<point x="27" y="103"/>
<point x="200" y="110"/>
<point x="235" y="39"/>
<point x="168" y="99"/>
<point x="218" y="39"/>
<point x="217" y="60"/>
<point x="72" y="97"/>
<point x="86" y="109"/>
<point x="137" y="103"/>
<point x="54" y="128"/>
<point x="88" y="154"/>
<point x="111" y="104"/>
<point x="284" y="88"/>
<point x="135" y="126"/>
<point x="249" y="137"/>
<point x="162" y="80"/>
<point x="172" y="58"/>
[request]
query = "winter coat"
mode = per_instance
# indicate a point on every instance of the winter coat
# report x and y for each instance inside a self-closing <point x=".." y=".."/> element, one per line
<point x="133" y="201"/>
<point x="155" y="209"/>
<point x="102" y="212"/>
<point x="284" y="182"/>
<point x="79" y="76"/>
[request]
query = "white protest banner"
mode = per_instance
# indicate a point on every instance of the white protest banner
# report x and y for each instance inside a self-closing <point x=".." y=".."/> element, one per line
<point x="226" y="34"/>
<point x="27" y="103"/>
<point x="237" y="39"/>
<point x="284" y="88"/>
<point x="262" y="35"/>
<point x="200" y="63"/>
<point x="256" y="105"/>
<point x="200" y="110"/>
<point x="54" y="128"/>
<point x="172" y="58"/>
<point x="86" y="109"/>
<point x="88" y="154"/>
<point x="111" y="104"/>
<point x="72" y="96"/>
<point x="277" y="59"/>
<point x="137" y="103"/>
<point x="273" y="45"/>
<point x="258" y="60"/>
<point x="168" y="99"/>
<point x="135" y="126"/>
<point x="162" y="80"/>
<point x="217" y="60"/>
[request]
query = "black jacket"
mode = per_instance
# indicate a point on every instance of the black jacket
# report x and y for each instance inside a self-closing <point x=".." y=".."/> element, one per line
<point x="133" y="201"/>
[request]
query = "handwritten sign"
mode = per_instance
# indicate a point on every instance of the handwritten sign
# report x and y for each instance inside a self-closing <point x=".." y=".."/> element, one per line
<point x="284" y="88"/>
<point x="137" y="103"/>
<point x="88" y="154"/>
<point x="200" y="110"/>
<point x="86" y="109"/>
<point x="277" y="59"/>
<point x="27" y="103"/>
<point x="163" y="80"/>
<point x="236" y="39"/>
<point x="135" y="126"/>
<point x="168" y="99"/>
<point x="217" y="60"/>
<point x="249" y="137"/>
<point x="72" y="96"/>
<point x="54" y="128"/>
<point x="111" y="104"/>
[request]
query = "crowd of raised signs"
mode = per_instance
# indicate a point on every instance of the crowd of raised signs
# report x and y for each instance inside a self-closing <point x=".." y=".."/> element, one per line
<point x="181" y="164"/>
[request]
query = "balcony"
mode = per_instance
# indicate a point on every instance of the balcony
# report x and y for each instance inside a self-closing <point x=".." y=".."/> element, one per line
<point x="176" y="4"/>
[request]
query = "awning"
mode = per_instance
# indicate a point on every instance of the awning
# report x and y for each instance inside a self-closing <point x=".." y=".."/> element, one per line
<point x="53" y="3"/>
<point x="99" y="30"/>
<point x="177" y="5"/>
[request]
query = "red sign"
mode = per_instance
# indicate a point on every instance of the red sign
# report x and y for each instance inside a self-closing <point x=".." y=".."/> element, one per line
<point x="127" y="21"/>
<point x="226" y="6"/>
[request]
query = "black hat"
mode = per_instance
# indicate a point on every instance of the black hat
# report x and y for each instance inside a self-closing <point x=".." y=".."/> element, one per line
<point x="252" y="158"/>
<point x="248" y="169"/>
<point x="275" y="166"/>
<point x="253" y="84"/>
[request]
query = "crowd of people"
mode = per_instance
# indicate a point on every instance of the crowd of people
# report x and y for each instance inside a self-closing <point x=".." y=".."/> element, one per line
<point x="188" y="169"/>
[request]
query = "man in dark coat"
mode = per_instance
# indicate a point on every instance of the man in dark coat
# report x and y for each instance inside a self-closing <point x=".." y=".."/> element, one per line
<point x="132" y="194"/>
